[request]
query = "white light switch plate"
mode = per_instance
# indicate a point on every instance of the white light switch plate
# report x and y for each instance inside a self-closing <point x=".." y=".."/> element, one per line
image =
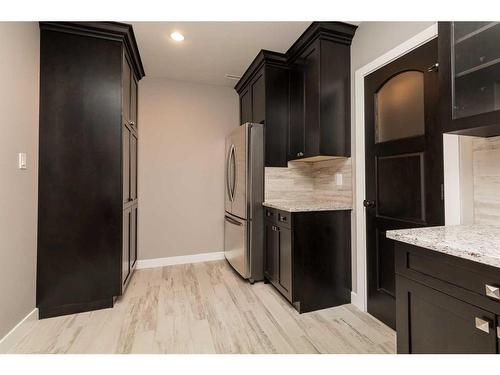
<point x="21" y="160"/>
<point x="338" y="179"/>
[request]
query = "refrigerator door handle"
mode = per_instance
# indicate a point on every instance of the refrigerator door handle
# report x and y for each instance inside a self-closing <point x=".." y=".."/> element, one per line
<point x="229" y="169"/>
<point x="233" y="166"/>
<point x="232" y="221"/>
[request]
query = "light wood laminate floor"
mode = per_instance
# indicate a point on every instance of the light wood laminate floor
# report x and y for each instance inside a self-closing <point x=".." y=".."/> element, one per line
<point x="206" y="308"/>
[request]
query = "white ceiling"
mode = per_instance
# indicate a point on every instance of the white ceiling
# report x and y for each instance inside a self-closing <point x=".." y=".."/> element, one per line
<point x="210" y="49"/>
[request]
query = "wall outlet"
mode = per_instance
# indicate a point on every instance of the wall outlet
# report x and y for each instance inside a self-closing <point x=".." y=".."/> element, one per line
<point x="21" y="160"/>
<point x="338" y="179"/>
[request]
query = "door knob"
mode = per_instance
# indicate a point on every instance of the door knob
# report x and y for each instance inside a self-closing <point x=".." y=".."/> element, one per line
<point x="492" y="291"/>
<point x="368" y="203"/>
<point x="483" y="325"/>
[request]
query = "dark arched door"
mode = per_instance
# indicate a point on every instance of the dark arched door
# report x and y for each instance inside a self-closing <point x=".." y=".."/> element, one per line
<point x="404" y="164"/>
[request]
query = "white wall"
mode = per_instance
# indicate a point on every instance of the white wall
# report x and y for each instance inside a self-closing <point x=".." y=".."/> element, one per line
<point x="182" y="128"/>
<point x="372" y="40"/>
<point x="19" y="74"/>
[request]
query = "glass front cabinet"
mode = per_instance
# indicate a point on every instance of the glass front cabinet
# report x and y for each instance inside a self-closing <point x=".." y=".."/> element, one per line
<point x="469" y="69"/>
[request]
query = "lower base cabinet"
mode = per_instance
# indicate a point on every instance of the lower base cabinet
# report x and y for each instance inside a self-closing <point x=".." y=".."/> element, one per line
<point x="308" y="257"/>
<point x="442" y="306"/>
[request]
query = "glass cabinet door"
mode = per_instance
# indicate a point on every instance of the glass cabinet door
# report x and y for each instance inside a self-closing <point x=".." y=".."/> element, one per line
<point x="475" y="63"/>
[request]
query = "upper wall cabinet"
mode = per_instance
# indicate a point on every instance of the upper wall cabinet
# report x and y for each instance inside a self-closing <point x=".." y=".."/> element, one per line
<point x="302" y="97"/>
<point x="263" y="92"/>
<point x="469" y="64"/>
<point x="320" y="92"/>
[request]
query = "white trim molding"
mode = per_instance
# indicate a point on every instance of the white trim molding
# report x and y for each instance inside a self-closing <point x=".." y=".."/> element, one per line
<point x="16" y="333"/>
<point x="359" y="299"/>
<point x="183" y="259"/>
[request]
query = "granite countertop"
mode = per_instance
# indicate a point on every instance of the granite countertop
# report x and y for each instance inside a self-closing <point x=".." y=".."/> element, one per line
<point x="479" y="243"/>
<point x="306" y="205"/>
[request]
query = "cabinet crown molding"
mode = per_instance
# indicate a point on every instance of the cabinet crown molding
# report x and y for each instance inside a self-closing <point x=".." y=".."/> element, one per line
<point x="118" y="31"/>
<point x="338" y="32"/>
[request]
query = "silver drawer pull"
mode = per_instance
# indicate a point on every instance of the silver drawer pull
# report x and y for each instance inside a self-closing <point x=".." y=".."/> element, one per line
<point x="492" y="291"/>
<point x="498" y="332"/>
<point x="483" y="325"/>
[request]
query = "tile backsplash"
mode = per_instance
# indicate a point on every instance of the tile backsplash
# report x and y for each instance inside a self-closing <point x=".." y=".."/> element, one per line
<point x="486" y="172"/>
<point x="310" y="181"/>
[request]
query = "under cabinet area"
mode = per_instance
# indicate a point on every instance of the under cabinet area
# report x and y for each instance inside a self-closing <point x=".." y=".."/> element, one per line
<point x="445" y="304"/>
<point x="308" y="257"/>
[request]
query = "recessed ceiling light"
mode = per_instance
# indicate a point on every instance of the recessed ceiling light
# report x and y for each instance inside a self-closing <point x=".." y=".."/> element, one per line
<point x="178" y="37"/>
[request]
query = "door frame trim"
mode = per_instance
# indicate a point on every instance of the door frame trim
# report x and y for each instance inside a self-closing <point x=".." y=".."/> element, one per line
<point x="359" y="298"/>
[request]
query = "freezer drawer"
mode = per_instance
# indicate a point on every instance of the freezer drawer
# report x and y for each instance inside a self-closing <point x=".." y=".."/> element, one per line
<point x="236" y="244"/>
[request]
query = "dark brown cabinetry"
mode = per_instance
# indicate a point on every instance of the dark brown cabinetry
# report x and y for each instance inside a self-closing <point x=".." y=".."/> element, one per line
<point x="442" y="303"/>
<point x="87" y="202"/>
<point x="129" y="162"/>
<point x="278" y="260"/>
<point x="263" y="92"/>
<point x="308" y="257"/>
<point x="469" y="70"/>
<point x="303" y="96"/>
<point x="320" y="92"/>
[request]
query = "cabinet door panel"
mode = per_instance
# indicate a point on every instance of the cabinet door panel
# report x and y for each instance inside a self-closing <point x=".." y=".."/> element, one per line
<point x="133" y="236"/>
<point x="133" y="167"/>
<point x="133" y="101"/>
<point x="126" y="135"/>
<point x="126" y="245"/>
<point x="296" y="144"/>
<point x="271" y="252"/>
<point x="245" y="106"/>
<point x="285" y="259"/>
<point x="258" y="99"/>
<point x="126" y="91"/>
<point x="432" y="322"/>
<point x="310" y="66"/>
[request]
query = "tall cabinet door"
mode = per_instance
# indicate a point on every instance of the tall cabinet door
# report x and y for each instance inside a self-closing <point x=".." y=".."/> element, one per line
<point x="127" y="218"/>
<point x="133" y="102"/>
<point x="126" y="91"/>
<point x="133" y="166"/>
<point x="133" y="236"/>
<point x="126" y="135"/>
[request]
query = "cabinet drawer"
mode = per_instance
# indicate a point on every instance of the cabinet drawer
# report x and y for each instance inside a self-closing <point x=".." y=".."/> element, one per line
<point x="284" y="219"/>
<point x="423" y="264"/>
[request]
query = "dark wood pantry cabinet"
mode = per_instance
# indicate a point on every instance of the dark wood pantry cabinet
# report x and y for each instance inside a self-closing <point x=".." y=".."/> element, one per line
<point x="263" y="92"/>
<point x="445" y="304"/>
<point x="87" y="199"/>
<point x="308" y="257"/>
<point x="469" y="72"/>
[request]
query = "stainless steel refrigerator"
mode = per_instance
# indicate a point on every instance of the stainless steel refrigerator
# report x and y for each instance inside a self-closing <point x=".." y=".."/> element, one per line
<point x="244" y="194"/>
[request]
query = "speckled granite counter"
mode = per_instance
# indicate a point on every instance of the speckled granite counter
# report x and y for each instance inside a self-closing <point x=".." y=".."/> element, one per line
<point x="479" y="243"/>
<point x="306" y="206"/>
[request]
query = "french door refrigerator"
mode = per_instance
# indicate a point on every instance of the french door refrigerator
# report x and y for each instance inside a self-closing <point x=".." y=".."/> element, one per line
<point x="244" y="194"/>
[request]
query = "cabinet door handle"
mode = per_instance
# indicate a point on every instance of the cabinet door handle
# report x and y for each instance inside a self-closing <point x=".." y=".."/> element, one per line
<point x="492" y="291"/>
<point x="498" y="332"/>
<point x="483" y="325"/>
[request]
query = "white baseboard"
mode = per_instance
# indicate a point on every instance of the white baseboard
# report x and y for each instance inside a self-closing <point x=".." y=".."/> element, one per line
<point x="16" y="333"/>
<point x="183" y="259"/>
<point x="356" y="301"/>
